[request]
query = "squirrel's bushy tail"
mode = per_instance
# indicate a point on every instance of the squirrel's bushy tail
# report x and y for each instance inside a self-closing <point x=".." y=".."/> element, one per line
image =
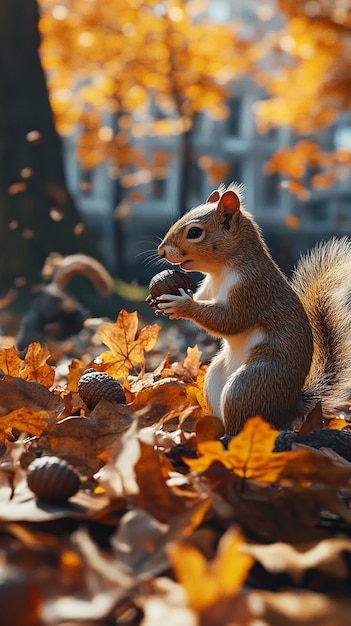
<point x="322" y="281"/>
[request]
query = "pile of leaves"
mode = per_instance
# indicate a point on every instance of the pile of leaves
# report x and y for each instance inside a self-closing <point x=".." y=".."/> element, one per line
<point x="173" y="523"/>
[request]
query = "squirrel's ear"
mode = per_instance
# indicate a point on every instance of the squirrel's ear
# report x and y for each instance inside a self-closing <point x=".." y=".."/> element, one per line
<point x="213" y="197"/>
<point x="230" y="202"/>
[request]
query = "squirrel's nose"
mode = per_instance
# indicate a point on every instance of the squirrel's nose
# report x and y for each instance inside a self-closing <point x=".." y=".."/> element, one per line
<point x="161" y="251"/>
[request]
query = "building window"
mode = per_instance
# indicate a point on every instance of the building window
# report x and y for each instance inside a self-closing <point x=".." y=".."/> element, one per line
<point x="317" y="211"/>
<point x="235" y="174"/>
<point x="196" y="180"/>
<point x="158" y="188"/>
<point x="271" y="190"/>
<point x="233" y="121"/>
<point x="343" y="209"/>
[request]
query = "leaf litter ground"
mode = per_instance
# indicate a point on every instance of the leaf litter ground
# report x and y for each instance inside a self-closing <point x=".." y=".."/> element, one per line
<point x="172" y="523"/>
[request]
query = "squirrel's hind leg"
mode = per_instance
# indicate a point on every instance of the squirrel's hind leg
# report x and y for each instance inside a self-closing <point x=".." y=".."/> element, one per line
<point x="256" y="391"/>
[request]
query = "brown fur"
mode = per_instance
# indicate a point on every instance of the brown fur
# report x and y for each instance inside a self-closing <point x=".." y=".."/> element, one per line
<point x="257" y="296"/>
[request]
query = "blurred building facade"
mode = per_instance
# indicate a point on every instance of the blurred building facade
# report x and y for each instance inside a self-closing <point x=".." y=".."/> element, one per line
<point x="126" y="230"/>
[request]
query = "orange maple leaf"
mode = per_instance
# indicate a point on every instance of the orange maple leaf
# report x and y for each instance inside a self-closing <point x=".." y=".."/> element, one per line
<point x="10" y="362"/>
<point x="127" y="345"/>
<point x="34" y="367"/>
<point x="250" y="455"/>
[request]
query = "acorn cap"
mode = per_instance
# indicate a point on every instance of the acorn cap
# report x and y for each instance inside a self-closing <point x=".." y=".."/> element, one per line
<point x="94" y="386"/>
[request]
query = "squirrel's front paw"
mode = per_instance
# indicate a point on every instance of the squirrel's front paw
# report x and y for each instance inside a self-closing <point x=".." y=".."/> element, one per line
<point x="173" y="306"/>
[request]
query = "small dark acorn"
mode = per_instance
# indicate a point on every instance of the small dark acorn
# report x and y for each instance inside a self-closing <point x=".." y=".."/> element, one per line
<point x="94" y="386"/>
<point x="51" y="478"/>
<point x="168" y="281"/>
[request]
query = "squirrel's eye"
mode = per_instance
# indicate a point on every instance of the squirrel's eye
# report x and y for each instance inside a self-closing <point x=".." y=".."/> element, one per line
<point x="194" y="232"/>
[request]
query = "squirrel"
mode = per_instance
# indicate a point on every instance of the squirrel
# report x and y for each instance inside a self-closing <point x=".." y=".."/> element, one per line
<point x="53" y="312"/>
<point x="286" y="345"/>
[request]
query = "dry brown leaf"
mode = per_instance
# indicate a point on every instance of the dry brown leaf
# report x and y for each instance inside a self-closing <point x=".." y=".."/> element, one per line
<point x="208" y="427"/>
<point x="313" y="421"/>
<point x="82" y="439"/>
<point x="155" y="496"/>
<point x="329" y="556"/>
<point x="304" y="608"/>
<point x="17" y="392"/>
<point x="162" y="398"/>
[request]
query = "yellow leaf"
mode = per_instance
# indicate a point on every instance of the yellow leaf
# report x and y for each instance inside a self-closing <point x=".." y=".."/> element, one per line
<point x="127" y="346"/>
<point x="75" y="370"/>
<point x="197" y="389"/>
<point x="25" y="421"/>
<point x="207" y="582"/>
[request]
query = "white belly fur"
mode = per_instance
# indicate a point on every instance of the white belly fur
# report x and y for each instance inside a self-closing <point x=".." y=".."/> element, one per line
<point x="231" y="358"/>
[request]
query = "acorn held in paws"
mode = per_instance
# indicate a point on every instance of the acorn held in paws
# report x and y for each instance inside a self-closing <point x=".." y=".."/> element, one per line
<point x="168" y="281"/>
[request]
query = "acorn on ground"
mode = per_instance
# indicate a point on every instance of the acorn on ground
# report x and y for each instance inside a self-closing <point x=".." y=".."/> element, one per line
<point x="52" y="478"/>
<point x="94" y="386"/>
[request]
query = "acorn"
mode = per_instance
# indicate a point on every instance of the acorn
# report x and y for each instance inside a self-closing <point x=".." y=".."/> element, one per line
<point x="168" y="281"/>
<point x="51" y="478"/>
<point x="94" y="386"/>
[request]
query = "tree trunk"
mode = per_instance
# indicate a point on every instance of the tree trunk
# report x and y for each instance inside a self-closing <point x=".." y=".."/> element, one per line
<point x="186" y="161"/>
<point x="37" y="214"/>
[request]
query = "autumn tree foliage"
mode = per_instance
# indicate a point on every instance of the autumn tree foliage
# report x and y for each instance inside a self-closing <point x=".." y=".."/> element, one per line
<point x="107" y="63"/>
<point x="308" y="83"/>
<point x="105" y="66"/>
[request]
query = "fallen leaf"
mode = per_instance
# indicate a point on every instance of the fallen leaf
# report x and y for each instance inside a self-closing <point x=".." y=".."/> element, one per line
<point x="250" y="456"/>
<point x="127" y="346"/>
<point x="162" y="398"/>
<point x="208" y="427"/>
<point x="220" y="578"/>
<point x="16" y="393"/>
<point x="36" y="367"/>
<point x="192" y="361"/>
<point x="328" y="556"/>
<point x="25" y="421"/>
<point x="10" y="362"/>
<point x="76" y="369"/>
<point x="80" y="440"/>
